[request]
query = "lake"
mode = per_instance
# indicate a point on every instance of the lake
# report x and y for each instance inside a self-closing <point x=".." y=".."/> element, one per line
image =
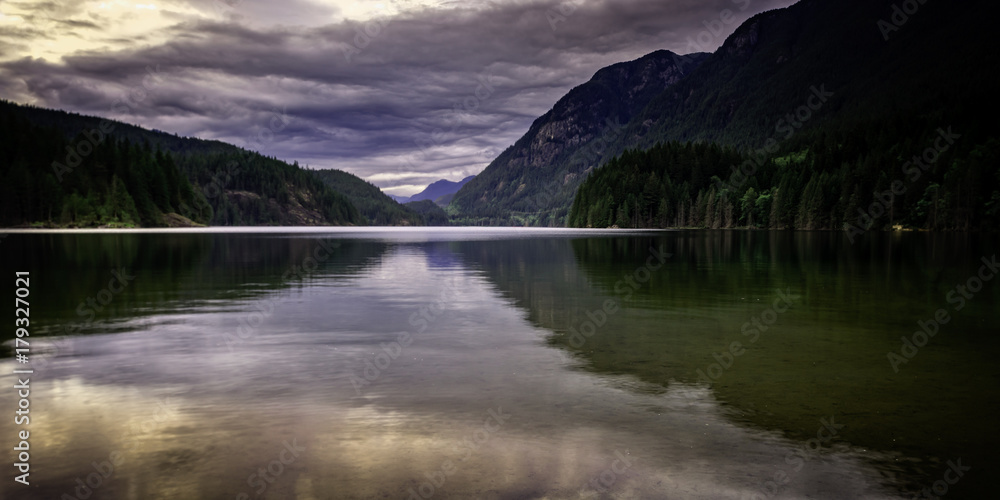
<point x="316" y="363"/>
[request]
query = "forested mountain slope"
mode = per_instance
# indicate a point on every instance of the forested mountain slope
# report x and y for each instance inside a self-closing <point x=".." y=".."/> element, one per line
<point x="377" y="207"/>
<point x="533" y="181"/>
<point x="64" y="169"/>
<point x="843" y="118"/>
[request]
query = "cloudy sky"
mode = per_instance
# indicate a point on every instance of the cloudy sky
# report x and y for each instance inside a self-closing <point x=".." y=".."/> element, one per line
<point x="399" y="92"/>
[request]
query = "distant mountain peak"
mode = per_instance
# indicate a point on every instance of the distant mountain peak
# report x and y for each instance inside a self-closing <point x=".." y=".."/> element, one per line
<point x="435" y="190"/>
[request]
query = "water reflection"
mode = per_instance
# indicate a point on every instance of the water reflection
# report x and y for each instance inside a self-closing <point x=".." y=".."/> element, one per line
<point x="825" y="355"/>
<point x="488" y="399"/>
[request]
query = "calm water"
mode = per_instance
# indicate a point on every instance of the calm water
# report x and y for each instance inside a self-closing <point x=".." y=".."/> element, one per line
<point x="467" y="363"/>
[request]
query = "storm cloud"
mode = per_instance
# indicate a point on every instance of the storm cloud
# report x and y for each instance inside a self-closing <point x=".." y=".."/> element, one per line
<point x="399" y="93"/>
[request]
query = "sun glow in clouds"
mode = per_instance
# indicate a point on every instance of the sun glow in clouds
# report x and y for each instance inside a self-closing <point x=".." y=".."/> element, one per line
<point x="112" y="25"/>
<point x="104" y="26"/>
<point x="364" y="11"/>
<point x="5" y="19"/>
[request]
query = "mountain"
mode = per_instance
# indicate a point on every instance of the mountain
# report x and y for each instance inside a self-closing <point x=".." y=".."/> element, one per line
<point x="378" y="208"/>
<point x="776" y="61"/>
<point x="847" y="114"/>
<point x="440" y="192"/>
<point x="440" y="188"/>
<point x="533" y="181"/>
<point x="445" y="200"/>
<point x="822" y="84"/>
<point x="69" y="170"/>
<point x="433" y="214"/>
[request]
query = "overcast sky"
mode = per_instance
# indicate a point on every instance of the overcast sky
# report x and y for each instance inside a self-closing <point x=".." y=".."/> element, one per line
<point x="399" y="92"/>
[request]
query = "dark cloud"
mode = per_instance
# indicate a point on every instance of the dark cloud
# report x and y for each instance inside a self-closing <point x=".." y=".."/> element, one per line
<point x="73" y="23"/>
<point x="428" y="94"/>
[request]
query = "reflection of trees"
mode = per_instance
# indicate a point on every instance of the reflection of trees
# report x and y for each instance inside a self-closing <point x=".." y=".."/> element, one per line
<point x="825" y="356"/>
<point x="174" y="272"/>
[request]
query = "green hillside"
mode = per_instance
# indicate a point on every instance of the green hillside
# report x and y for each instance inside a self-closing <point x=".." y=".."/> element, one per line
<point x="432" y="214"/>
<point x="377" y="208"/>
<point x="897" y="134"/>
<point x="830" y="99"/>
<point x="533" y="181"/>
<point x="60" y="169"/>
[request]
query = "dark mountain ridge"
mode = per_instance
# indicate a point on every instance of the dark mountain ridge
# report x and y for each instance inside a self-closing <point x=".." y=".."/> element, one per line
<point x="533" y="181"/>
<point x="830" y="111"/>
<point x="63" y="169"/>
<point x="829" y="84"/>
<point x="440" y="188"/>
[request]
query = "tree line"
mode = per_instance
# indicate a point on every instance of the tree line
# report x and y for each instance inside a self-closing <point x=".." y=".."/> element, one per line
<point x="872" y="175"/>
<point x="129" y="177"/>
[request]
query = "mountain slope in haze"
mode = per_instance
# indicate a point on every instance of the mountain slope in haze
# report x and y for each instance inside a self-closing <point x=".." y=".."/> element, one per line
<point x="440" y="188"/>
<point x="432" y="213"/>
<point x="377" y="207"/>
<point x="440" y="192"/>
<point x="66" y="169"/>
<point x="842" y="123"/>
<point x="533" y="181"/>
<point x="444" y="200"/>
